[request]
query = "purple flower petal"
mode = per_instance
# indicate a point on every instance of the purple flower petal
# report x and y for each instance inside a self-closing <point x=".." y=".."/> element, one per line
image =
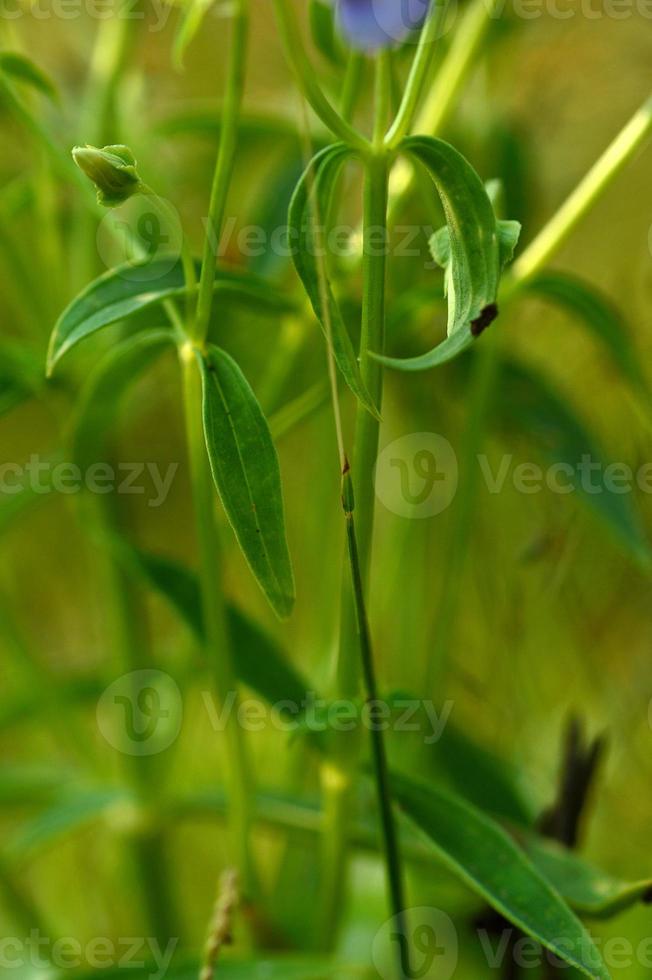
<point x="370" y="25"/>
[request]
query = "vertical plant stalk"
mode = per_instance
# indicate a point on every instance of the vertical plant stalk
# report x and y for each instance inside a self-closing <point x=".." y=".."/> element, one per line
<point x="233" y="96"/>
<point x="337" y="778"/>
<point x="390" y="842"/>
<point x="218" y="641"/>
<point x="442" y="96"/>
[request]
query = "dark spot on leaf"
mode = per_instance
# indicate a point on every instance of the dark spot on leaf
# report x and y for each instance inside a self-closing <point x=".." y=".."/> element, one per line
<point x="487" y="316"/>
<point x="646" y="897"/>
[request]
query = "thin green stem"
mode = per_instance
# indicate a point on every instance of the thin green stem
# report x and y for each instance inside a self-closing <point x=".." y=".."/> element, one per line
<point x="235" y="82"/>
<point x="585" y="195"/>
<point x="218" y="642"/>
<point x="430" y="33"/>
<point x="307" y="80"/>
<point x="337" y="777"/>
<point x="352" y="85"/>
<point x="390" y="842"/>
<point x="442" y="96"/>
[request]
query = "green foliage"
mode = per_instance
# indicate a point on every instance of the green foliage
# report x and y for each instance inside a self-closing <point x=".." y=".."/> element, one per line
<point x="308" y="212"/>
<point x="473" y="250"/>
<point x="246" y="473"/>
<point x="476" y="849"/>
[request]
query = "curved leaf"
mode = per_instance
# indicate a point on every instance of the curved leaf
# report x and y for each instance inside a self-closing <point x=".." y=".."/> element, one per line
<point x="473" y="249"/>
<point x="314" y="190"/>
<point x="598" y="313"/>
<point x="246" y="473"/>
<point x="129" y="289"/>
<point x="22" y="69"/>
<point x="483" y="856"/>
<point x="590" y="891"/>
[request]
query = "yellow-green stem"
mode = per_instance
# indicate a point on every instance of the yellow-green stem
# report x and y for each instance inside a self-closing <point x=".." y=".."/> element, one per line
<point x="218" y="642"/>
<point x="233" y="95"/>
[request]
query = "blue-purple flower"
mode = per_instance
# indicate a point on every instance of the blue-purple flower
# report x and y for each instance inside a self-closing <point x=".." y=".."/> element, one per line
<point x="370" y="25"/>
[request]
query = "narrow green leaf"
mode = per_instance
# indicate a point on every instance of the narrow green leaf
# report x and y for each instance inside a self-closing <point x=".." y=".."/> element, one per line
<point x="125" y="292"/>
<point x="192" y="18"/>
<point x="247" y="475"/>
<point x="260" y="662"/>
<point x="472" y="248"/>
<point x="105" y="386"/>
<point x="484" y="857"/>
<point x="529" y="404"/>
<point x="314" y="189"/>
<point x="599" y="314"/>
<point x="590" y="891"/>
<point x="22" y="69"/>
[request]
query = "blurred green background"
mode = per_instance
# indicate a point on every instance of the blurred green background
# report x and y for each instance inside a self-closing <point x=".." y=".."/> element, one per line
<point x="549" y="611"/>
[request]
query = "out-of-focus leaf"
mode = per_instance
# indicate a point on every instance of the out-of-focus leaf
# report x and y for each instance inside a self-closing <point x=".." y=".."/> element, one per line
<point x="480" y="776"/>
<point x="259" y="661"/>
<point x="247" y="476"/>
<point x="322" y="28"/>
<point x="191" y="20"/>
<point x="22" y="69"/>
<point x="106" y="385"/>
<point x="599" y="314"/>
<point x="485" y="858"/>
<point x="308" y="211"/>
<point x="590" y="891"/>
<point x="202" y="121"/>
<point x="20" y="785"/>
<point x="72" y="812"/>
<point x="473" y="248"/>
<point x="279" y="968"/>
<point x="528" y="404"/>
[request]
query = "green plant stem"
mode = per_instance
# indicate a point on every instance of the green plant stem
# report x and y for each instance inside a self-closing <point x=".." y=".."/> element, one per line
<point x="337" y="778"/>
<point x="580" y="202"/>
<point x="390" y="842"/>
<point x="352" y="85"/>
<point x="231" y="109"/>
<point x="442" y="96"/>
<point x="418" y="74"/>
<point x="307" y="80"/>
<point x="218" y="642"/>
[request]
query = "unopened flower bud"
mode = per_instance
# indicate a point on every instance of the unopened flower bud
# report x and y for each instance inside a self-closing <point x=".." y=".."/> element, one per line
<point x="113" y="171"/>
